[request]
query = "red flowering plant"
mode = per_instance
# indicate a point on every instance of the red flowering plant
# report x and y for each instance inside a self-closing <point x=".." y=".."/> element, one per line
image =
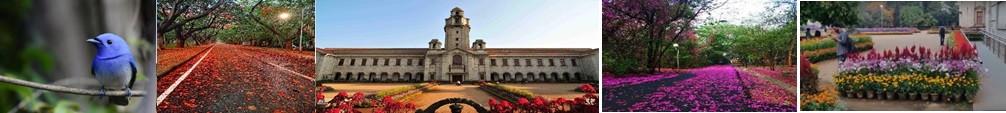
<point x="586" y="104"/>
<point x="561" y="103"/>
<point x="342" y="103"/>
<point x="320" y="97"/>
<point x="388" y="105"/>
<point x="501" y="107"/>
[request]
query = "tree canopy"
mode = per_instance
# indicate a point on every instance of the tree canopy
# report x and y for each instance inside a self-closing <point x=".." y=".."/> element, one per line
<point x="246" y="22"/>
<point x="639" y="36"/>
<point x="829" y="12"/>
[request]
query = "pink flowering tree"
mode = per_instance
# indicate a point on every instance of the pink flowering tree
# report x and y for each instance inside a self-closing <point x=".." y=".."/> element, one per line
<point x="645" y="29"/>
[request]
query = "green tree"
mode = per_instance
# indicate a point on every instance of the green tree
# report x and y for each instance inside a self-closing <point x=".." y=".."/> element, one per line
<point x="829" y="12"/>
<point x="942" y="11"/>
<point x="914" y="16"/>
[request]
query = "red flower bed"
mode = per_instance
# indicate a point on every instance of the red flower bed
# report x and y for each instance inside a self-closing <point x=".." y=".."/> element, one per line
<point x="587" y="103"/>
<point x="343" y="103"/>
<point x="961" y="41"/>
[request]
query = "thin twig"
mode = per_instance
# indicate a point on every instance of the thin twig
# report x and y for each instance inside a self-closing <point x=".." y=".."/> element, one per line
<point x="63" y="89"/>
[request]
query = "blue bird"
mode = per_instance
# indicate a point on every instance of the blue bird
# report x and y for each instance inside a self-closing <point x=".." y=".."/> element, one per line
<point x="113" y="66"/>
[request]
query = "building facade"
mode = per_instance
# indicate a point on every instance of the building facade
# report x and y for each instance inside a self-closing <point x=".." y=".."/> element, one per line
<point x="457" y="59"/>
<point x="972" y="14"/>
<point x="984" y="16"/>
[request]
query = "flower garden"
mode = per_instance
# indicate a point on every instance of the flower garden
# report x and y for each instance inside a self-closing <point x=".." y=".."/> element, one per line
<point x="520" y="100"/>
<point x="714" y="88"/>
<point x="888" y="31"/>
<point x="826" y="100"/>
<point x="391" y="100"/>
<point x="821" y="49"/>
<point x="913" y="73"/>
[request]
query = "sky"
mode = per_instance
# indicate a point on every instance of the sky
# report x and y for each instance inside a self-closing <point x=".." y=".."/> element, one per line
<point x="500" y="23"/>
<point x="741" y="12"/>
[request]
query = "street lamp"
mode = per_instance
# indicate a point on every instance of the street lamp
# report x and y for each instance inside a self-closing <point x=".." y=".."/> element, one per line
<point x="677" y="62"/>
<point x="284" y="16"/>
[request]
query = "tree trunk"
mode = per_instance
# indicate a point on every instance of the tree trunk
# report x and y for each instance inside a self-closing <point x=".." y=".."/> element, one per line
<point x="289" y="43"/>
<point x="180" y="41"/>
<point x="160" y="41"/>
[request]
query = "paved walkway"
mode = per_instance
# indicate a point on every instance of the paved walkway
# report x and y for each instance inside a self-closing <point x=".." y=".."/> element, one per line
<point x="887" y="42"/>
<point x="444" y="91"/>
<point x="990" y="95"/>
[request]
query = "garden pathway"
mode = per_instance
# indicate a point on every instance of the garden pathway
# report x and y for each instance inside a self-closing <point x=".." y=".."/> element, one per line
<point x="828" y="68"/>
<point x="777" y="82"/>
<point x="989" y="97"/>
<point x="632" y="94"/>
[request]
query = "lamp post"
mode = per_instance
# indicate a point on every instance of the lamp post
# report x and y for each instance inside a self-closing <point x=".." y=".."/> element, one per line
<point x="300" y="35"/>
<point x="677" y="62"/>
<point x="284" y="16"/>
<point x="725" y="57"/>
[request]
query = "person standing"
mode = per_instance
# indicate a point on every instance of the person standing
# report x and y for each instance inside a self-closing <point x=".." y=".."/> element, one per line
<point x="843" y="45"/>
<point x="943" y="33"/>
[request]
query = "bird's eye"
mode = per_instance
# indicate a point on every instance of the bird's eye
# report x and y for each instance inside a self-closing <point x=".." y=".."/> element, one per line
<point x="109" y="42"/>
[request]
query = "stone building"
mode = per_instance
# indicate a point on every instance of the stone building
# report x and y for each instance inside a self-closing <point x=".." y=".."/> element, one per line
<point x="985" y="17"/>
<point x="457" y="59"/>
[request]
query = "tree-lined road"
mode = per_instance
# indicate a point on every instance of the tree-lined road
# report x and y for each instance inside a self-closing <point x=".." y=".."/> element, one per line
<point x="229" y="78"/>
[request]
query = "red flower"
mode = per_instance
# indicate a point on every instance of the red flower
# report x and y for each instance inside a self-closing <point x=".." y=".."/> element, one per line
<point x="342" y="95"/>
<point x="587" y="88"/>
<point x="505" y="104"/>
<point x="492" y="102"/>
<point x="335" y="110"/>
<point x="320" y="97"/>
<point x="523" y="101"/>
<point x="387" y="99"/>
<point x="358" y="96"/>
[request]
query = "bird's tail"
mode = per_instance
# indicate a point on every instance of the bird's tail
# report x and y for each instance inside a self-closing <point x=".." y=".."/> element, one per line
<point x="119" y="100"/>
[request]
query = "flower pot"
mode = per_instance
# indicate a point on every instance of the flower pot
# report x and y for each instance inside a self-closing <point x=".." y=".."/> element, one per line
<point x="859" y="94"/>
<point x="902" y="96"/>
<point x="957" y="96"/>
<point x="913" y="96"/>
<point x="925" y="96"/>
<point x="971" y="98"/>
<point x="890" y="95"/>
<point x="850" y="94"/>
<point x="870" y="94"/>
<point x="947" y="97"/>
<point x="934" y="96"/>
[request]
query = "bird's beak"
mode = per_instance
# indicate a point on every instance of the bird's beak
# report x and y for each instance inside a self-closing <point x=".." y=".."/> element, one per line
<point x="92" y="41"/>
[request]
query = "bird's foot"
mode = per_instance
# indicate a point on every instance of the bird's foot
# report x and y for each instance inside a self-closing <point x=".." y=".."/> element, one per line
<point x="101" y="92"/>
<point x="129" y="93"/>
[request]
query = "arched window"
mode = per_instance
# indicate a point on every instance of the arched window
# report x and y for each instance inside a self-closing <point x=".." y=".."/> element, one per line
<point x="457" y="60"/>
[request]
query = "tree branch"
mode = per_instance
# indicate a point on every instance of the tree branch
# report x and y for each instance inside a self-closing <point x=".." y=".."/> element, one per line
<point x="63" y="89"/>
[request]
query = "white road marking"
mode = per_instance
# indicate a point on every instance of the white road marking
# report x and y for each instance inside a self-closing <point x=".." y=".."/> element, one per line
<point x="172" y="88"/>
<point x="291" y="71"/>
<point x="281" y="67"/>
